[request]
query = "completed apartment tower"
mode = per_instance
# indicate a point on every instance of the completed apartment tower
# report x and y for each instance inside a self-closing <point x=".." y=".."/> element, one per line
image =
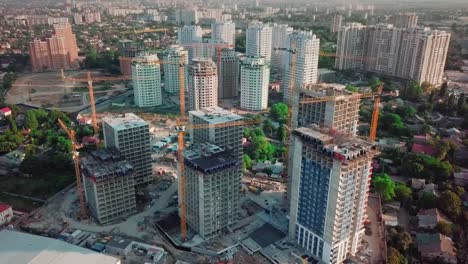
<point x="55" y="52"/>
<point x="130" y="135"/>
<point x="146" y="77"/>
<point x="228" y="77"/>
<point x="254" y="81"/>
<point x="173" y="56"/>
<point x="258" y="43"/>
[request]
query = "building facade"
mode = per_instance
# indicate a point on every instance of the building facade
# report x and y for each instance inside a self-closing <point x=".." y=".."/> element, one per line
<point x="202" y="84"/>
<point x="187" y="16"/>
<point x="336" y="23"/>
<point x="130" y="135"/>
<point x="189" y="34"/>
<point x="414" y="53"/>
<point x="330" y="179"/>
<point x="224" y="32"/>
<point x="173" y="56"/>
<point x="340" y="114"/>
<point x="212" y="189"/>
<point x="6" y="214"/>
<point x="109" y="185"/>
<point x="128" y="50"/>
<point x="146" y="78"/>
<point x="228" y="76"/>
<point x="58" y="51"/>
<point x="258" y="40"/>
<point x="279" y="39"/>
<point x="307" y="47"/>
<point x="228" y="137"/>
<point x="254" y="81"/>
<point x="404" y="20"/>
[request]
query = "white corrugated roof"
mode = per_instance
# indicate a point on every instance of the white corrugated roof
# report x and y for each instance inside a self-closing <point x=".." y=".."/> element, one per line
<point x="22" y="248"/>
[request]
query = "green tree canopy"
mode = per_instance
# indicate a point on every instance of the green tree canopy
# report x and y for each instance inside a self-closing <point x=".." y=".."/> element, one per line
<point x="281" y="133"/>
<point x="427" y="167"/>
<point x="352" y="88"/>
<point x="247" y="162"/>
<point x="427" y="201"/>
<point x="402" y="192"/>
<point x="374" y="83"/>
<point x="395" y="257"/>
<point x="450" y="203"/>
<point x="413" y="91"/>
<point x="444" y="228"/>
<point x="279" y="112"/>
<point x="383" y="185"/>
<point x="31" y="120"/>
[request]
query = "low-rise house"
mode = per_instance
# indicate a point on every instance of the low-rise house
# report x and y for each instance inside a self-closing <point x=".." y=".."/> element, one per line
<point x="6" y="213"/>
<point x="461" y="178"/>
<point x="4" y="112"/>
<point x="417" y="184"/>
<point x="436" y="246"/>
<point x="429" y="218"/>
<point x="429" y="188"/>
<point x="390" y="143"/>
<point x="119" y="247"/>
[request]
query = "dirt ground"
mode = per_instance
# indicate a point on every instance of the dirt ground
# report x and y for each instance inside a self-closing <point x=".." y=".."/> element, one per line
<point x="48" y="89"/>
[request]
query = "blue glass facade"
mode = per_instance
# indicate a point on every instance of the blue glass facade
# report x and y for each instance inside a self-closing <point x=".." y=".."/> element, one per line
<point x="313" y="196"/>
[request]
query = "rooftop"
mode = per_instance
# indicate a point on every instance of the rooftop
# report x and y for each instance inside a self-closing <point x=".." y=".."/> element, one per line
<point x="208" y="158"/>
<point x="341" y="146"/>
<point x="433" y="243"/>
<point x="215" y="115"/>
<point x="125" y="121"/>
<point x="22" y="248"/>
<point x="4" y="207"/>
<point x="105" y="162"/>
<point x="119" y="243"/>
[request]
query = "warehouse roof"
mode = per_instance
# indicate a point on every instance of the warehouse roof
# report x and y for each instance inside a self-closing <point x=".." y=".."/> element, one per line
<point x="22" y="248"/>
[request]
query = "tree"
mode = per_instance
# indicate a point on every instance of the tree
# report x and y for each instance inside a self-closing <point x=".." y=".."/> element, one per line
<point x="443" y="89"/>
<point x="402" y="192"/>
<point x="451" y="103"/>
<point x="374" y="83"/>
<point x="12" y="124"/>
<point x="459" y="190"/>
<point x="427" y="201"/>
<point x="395" y="257"/>
<point x="383" y="185"/>
<point x="450" y="203"/>
<point x="426" y="86"/>
<point x="352" y="88"/>
<point x="279" y="112"/>
<point x="247" y="162"/>
<point x="461" y="104"/>
<point x="444" y="228"/>
<point x="412" y="92"/>
<point x="281" y="133"/>
<point x="31" y="120"/>
<point x="268" y="127"/>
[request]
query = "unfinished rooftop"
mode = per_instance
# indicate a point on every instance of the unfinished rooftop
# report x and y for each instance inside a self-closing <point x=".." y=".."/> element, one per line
<point x="215" y="115"/>
<point x="209" y="158"/>
<point x="336" y="144"/>
<point x="104" y="163"/>
<point x="126" y="121"/>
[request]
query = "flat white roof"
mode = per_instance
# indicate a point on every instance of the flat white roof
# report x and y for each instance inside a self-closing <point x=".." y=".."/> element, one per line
<point x="125" y="121"/>
<point x="22" y="248"/>
<point x="215" y="115"/>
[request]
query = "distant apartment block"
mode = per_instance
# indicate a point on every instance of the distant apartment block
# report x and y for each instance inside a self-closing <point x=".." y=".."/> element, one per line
<point x="258" y="40"/>
<point x="187" y="16"/>
<point x="329" y="186"/>
<point x="416" y="53"/>
<point x="404" y="20"/>
<point x="254" y="81"/>
<point x="202" y="84"/>
<point x="229" y="71"/>
<point x="336" y="23"/>
<point x="189" y="34"/>
<point x="224" y="32"/>
<point x="87" y="17"/>
<point x="55" y="52"/>
<point x="128" y="49"/>
<point x="279" y="39"/>
<point x="173" y="56"/>
<point x="340" y="114"/>
<point x="146" y="77"/>
<point x="220" y="131"/>
<point x="130" y="135"/>
<point x="212" y="189"/>
<point x="109" y="185"/>
<point x="307" y="47"/>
